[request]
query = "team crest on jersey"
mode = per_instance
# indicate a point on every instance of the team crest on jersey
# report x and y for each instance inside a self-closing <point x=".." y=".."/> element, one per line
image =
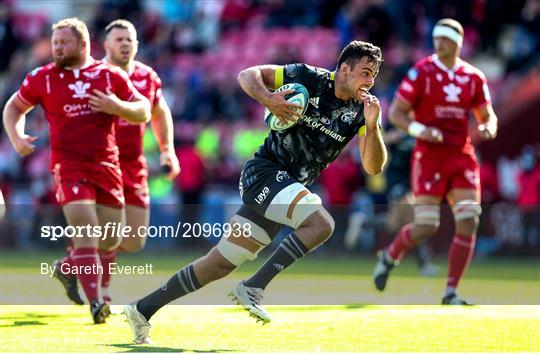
<point x="80" y="88"/>
<point x="92" y="74"/>
<point x="140" y="84"/>
<point x="438" y="77"/>
<point x="348" y="117"/>
<point x="281" y="175"/>
<point x="452" y="92"/>
<point x="412" y="74"/>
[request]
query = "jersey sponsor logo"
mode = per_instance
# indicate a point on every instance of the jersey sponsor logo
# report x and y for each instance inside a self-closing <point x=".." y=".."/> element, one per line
<point x="281" y="175"/>
<point x="412" y="74"/>
<point x="318" y="125"/>
<point x="79" y="88"/>
<point x="70" y="108"/>
<point x="78" y="109"/>
<point x="140" y="84"/>
<point x="92" y="74"/>
<point x="348" y="117"/>
<point x="449" y="112"/>
<point x="452" y="92"/>
<point x="261" y="197"/>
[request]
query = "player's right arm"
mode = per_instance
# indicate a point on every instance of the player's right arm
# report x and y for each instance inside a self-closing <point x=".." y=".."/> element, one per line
<point x="257" y="81"/>
<point x="14" y="120"/>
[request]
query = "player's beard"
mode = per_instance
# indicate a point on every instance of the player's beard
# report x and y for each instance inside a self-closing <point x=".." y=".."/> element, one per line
<point x="67" y="60"/>
<point x="120" y="59"/>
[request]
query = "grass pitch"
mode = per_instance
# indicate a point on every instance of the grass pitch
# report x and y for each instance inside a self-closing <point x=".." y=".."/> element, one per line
<point x="297" y="328"/>
<point x="350" y="327"/>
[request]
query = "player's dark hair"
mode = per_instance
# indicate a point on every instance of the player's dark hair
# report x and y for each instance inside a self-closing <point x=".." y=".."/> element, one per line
<point x="356" y="50"/>
<point x="120" y="23"/>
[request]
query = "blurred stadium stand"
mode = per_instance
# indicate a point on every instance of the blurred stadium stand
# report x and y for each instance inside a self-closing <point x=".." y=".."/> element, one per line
<point x="198" y="47"/>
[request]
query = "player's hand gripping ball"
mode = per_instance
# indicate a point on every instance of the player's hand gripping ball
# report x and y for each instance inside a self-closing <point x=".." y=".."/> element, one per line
<point x="299" y="97"/>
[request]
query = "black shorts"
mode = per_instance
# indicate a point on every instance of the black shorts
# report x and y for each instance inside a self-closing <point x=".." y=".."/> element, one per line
<point x="261" y="180"/>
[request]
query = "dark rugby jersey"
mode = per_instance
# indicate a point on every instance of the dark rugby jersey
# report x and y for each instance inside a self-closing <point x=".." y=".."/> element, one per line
<point x="329" y="123"/>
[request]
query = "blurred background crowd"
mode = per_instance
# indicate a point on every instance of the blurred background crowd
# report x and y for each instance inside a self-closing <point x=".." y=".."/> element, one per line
<point x="198" y="47"/>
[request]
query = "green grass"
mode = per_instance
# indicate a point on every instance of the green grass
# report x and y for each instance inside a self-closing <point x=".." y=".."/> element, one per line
<point x="323" y="328"/>
<point x="337" y="319"/>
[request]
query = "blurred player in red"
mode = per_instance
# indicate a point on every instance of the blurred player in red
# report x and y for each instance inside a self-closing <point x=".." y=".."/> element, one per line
<point x="440" y="91"/>
<point x="82" y="98"/>
<point x="121" y="47"/>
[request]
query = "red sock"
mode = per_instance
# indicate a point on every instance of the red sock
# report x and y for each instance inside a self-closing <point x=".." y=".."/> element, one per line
<point x="106" y="259"/>
<point x="402" y="243"/>
<point x="459" y="257"/>
<point x="87" y="262"/>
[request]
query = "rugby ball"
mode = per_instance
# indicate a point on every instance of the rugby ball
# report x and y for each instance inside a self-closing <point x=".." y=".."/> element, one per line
<point x="300" y="97"/>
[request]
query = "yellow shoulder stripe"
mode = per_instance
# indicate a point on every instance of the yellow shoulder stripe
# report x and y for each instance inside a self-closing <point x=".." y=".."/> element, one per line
<point x="332" y="75"/>
<point x="278" y="78"/>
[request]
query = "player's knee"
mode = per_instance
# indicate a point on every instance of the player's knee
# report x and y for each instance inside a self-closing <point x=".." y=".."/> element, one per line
<point x="422" y="233"/>
<point x="427" y="216"/>
<point x="466" y="209"/>
<point x="217" y="264"/>
<point x="243" y="244"/>
<point x="326" y="224"/>
<point x="132" y="244"/>
<point x="322" y="224"/>
<point x="109" y="243"/>
<point x="467" y="216"/>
